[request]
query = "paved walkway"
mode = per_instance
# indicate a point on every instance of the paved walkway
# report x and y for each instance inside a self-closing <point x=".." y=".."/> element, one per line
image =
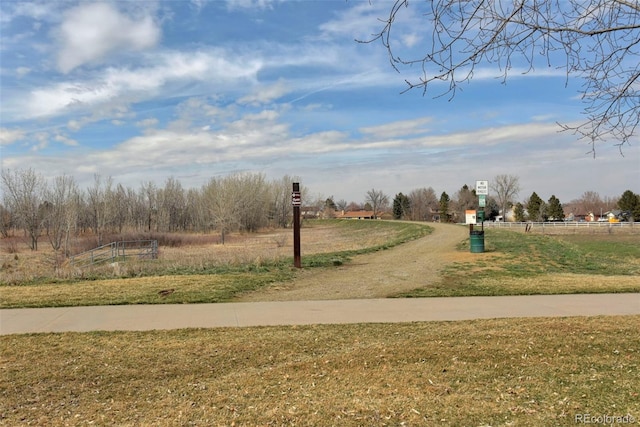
<point x="150" y="317"/>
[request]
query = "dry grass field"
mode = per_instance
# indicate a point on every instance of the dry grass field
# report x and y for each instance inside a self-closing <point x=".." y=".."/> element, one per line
<point x="18" y="264"/>
<point x="507" y="372"/>
<point x="338" y="265"/>
<point x="533" y="372"/>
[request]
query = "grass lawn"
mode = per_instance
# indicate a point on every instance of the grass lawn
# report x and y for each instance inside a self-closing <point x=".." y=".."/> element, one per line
<point x="516" y="263"/>
<point x="530" y="372"/>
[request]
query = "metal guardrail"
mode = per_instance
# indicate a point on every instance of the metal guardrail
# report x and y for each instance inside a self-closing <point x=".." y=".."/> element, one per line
<point x="141" y="249"/>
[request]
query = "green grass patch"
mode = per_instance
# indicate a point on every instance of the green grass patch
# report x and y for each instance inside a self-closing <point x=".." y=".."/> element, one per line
<point x="175" y="289"/>
<point x="402" y="232"/>
<point x="524" y="372"/>
<point x="516" y="263"/>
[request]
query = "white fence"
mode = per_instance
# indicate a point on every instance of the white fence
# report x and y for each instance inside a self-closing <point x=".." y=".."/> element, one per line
<point x="559" y="224"/>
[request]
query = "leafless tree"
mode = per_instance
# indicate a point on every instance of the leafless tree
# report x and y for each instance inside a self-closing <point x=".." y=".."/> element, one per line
<point x="197" y="210"/>
<point x="119" y="208"/>
<point x="378" y="201"/>
<point x="171" y="206"/>
<point x="223" y="205"/>
<point x="423" y="203"/>
<point x="252" y="192"/>
<point x="24" y="194"/>
<point x="6" y="220"/>
<point x="597" y="41"/>
<point x="280" y="209"/>
<point x="98" y="196"/>
<point x="589" y="202"/>
<point x="465" y="199"/>
<point x="149" y="197"/>
<point x="353" y="207"/>
<point x="506" y="188"/>
<point x="62" y="198"/>
<point x="341" y="205"/>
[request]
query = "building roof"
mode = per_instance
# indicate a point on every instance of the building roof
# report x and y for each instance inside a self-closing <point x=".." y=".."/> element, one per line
<point x="356" y="214"/>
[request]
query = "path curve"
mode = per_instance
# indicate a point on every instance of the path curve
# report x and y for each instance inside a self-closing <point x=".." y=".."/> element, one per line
<point x="376" y="275"/>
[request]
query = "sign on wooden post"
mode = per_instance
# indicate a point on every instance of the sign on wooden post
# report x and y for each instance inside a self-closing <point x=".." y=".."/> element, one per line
<point x="296" y="201"/>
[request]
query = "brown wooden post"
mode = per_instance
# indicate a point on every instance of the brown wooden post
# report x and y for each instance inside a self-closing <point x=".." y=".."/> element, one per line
<point x="296" y="202"/>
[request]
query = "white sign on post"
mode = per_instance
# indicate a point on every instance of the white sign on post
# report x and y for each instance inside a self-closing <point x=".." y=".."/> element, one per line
<point x="470" y="216"/>
<point x="296" y="200"/>
<point x="482" y="188"/>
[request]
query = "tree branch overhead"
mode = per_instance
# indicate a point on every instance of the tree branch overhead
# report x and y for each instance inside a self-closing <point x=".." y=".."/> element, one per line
<point x="597" y="41"/>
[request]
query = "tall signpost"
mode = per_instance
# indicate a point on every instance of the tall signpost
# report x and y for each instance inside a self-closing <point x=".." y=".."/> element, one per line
<point x="482" y="190"/>
<point x="476" y="237"/>
<point x="296" y="201"/>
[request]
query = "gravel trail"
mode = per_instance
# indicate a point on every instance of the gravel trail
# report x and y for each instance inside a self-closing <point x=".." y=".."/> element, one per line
<point x="377" y="275"/>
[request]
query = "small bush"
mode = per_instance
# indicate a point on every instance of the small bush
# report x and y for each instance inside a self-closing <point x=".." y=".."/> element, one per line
<point x="10" y="245"/>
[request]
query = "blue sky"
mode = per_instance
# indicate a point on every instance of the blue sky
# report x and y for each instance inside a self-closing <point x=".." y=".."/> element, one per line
<point x="145" y="90"/>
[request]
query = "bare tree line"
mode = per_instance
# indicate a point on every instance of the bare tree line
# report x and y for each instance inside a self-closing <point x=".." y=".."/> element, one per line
<point x="60" y="210"/>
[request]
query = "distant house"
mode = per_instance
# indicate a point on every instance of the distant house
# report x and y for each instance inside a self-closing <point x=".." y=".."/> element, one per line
<point x="356" y="215"/>
<point x="617" y="215"/>
<point x="613" y="215"/>
<point x="579" y="215"/>
<point x="310" y="212"/>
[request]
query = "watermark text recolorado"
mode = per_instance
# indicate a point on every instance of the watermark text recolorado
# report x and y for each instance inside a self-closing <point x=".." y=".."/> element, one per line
<point x="604" y="419"/>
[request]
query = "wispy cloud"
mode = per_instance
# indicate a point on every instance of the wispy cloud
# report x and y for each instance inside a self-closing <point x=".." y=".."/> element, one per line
<point x="9" y="136"/>
<point x="263" y="94"/>
<point x="251" y="4"/>
<point x="398" y="129"/>
<point x="125" y="85"/>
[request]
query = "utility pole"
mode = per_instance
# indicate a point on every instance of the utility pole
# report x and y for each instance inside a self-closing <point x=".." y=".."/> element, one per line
<point x="296" y="201"/>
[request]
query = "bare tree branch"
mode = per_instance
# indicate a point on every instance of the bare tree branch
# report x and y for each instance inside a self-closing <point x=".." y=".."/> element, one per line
<point x="597" y="41"/>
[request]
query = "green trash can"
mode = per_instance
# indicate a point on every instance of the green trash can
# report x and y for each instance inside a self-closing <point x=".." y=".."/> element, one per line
<point x="476" y="241"/>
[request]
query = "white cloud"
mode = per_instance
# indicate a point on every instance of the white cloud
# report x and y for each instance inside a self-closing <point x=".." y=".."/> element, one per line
<point x="398" y="129"/>
<point x="251" y="4"/>
<point x="42" y="139"/>
<point x="147" y="123"/>
<point x="37" y="11"/>
<point x="411" y="40"/>
<point x="265" y="94"/>
<point x="22" y="71"/>
<point x="9" y="136"/>
<point x="261" y="137"/>
<point x="66" y="140"/>
<point x="91" y="31"/>
<point x="360" y="21"/>
<point x="123" y="86"/>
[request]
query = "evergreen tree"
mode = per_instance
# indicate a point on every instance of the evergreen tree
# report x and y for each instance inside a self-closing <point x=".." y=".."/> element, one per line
<point x="330" y="204"/>
<point x="330" y="208"/>
<point x="519" y="212"/>
<point x="444" y="207"/>
<point x="554" y="209"/>
<point x="630" y="202"/>
<point x="534" y="207"/>
<point x="491" y="210"/>
<point x="401" y="206"/>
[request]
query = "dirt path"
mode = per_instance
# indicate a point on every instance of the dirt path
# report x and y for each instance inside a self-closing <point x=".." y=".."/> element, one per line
<point x="376" y="275"/>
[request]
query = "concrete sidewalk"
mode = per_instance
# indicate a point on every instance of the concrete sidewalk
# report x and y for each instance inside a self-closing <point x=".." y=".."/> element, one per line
<point x="151" y="317"/>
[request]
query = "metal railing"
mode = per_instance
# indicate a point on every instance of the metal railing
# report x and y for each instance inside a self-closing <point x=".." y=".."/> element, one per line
<point x="114" y="251"/>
